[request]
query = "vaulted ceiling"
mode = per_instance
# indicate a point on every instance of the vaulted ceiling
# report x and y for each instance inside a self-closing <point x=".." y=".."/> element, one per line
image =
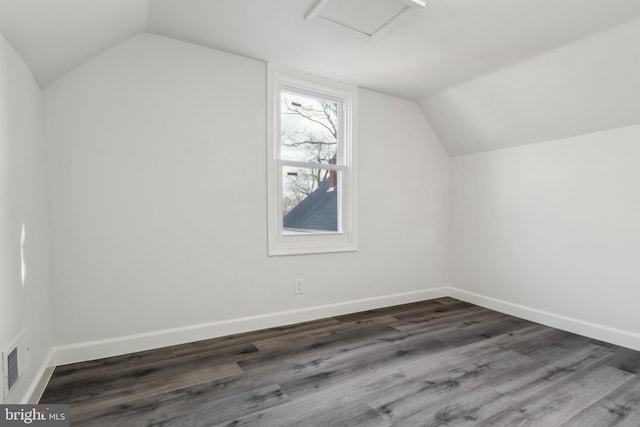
<point x="464" y="61"/>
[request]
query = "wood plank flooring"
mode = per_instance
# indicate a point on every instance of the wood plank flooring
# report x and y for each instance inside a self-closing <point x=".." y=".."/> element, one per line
<point x="441" y="362"/>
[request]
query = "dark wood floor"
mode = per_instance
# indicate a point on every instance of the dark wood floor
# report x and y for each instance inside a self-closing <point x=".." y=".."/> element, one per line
<point x="436" y="363"/>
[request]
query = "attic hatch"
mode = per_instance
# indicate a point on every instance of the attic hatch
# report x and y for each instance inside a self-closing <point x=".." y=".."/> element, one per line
<point x="365" y="18"/>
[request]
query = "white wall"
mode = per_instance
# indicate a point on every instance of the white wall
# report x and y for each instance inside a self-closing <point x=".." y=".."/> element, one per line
<point x="585" y="86"/>
<point x="157" y="167"/>
<point x="551" y="231"/>
<point x="23" y="199"/>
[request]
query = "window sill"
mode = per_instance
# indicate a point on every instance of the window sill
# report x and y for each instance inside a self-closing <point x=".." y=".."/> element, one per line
<point x="305" y="245"/>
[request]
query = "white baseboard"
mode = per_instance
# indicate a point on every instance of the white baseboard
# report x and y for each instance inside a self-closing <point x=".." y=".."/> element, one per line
<point x="41" y="379"/>
<point x="592" y="330"/>
<point x="61" y="355"/>
<point x="80" y="352"/>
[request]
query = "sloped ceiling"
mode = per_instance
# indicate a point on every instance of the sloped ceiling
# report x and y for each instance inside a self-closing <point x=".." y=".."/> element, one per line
<point x="582" y="87"/>
<point x="454" y="57"/>
<point x="55" y="36"/>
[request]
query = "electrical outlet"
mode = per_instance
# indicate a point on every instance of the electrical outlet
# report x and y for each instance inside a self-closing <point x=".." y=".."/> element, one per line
<point x="298" y="286"/>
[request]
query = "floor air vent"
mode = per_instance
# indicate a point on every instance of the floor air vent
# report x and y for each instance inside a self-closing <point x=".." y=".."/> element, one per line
<point x="15" y="363"/>
<point x="12" y="369"/>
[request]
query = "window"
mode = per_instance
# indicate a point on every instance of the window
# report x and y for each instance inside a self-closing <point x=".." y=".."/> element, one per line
<point x="310" y="164"/>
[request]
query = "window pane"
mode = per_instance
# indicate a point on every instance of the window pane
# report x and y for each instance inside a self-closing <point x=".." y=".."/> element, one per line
<point x="308" y="128"/>
<point x="310" y="199"/>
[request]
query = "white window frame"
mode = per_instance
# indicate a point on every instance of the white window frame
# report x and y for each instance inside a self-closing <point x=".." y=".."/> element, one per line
<point x="287" y="243"/>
